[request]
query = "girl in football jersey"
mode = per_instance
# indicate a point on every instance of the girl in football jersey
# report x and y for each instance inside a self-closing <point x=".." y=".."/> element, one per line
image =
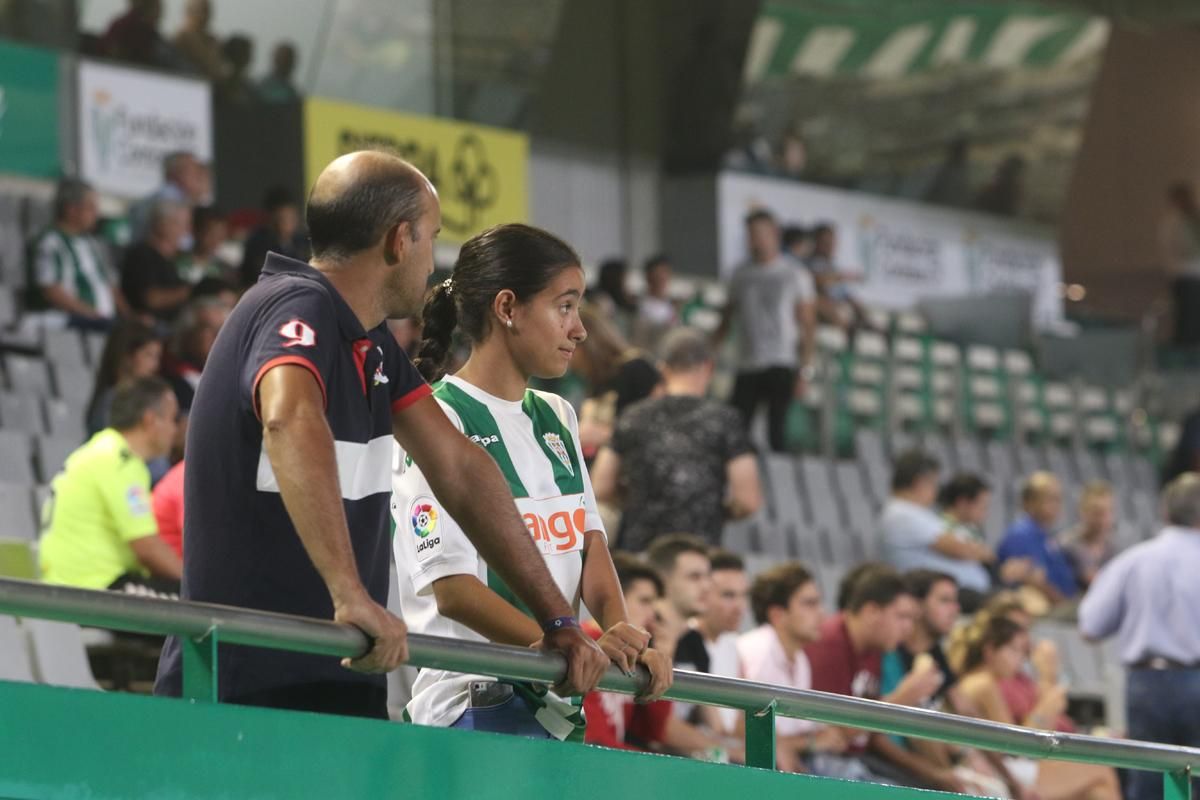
<point x="514" y="295"/>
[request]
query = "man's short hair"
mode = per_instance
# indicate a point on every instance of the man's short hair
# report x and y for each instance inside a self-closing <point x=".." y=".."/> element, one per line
<point x="631" y="569"/>
<point x="760" y="215"/>
<point x="793" y="235"/>
<point x="1094" y="489"/>
<point x="822" y="228"/>
<point x="161" y="210"/>
<point x="684" y="349"/>
<point x="174" y="161"/>
<point x="879" y="586"/>
<point x="69" y="192"/>
<point x="341" y="224"/>
<point x="725" y="561"/>
<point x="845" y="586"/>
<point x="665" y="551"/>
<point x="133" y="398"/>
<point x="278" y="197"/>
<point x="963" y="486"/>
<point x="775" y="587"/>
<point x="1032" y="486"/>
<point x="910" y="466"/>
<point x="921" y="581"/>
<point x="654" y="262"/>
<point x="1181" y="499"/>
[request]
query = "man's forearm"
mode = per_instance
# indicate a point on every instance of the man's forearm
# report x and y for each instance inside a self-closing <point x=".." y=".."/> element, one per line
<point x="480" y="501"/>
<point x="302" y="457"/>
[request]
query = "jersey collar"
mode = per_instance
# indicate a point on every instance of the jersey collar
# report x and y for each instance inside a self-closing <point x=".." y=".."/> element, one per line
<point x="278" y="264"/>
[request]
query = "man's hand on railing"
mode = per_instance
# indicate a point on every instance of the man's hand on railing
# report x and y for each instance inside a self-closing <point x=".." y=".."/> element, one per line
<point x="623" y="644"/>
<point x="586" y="662"/>
<point x="388" y="634"/>
<point x="662" y="674"/>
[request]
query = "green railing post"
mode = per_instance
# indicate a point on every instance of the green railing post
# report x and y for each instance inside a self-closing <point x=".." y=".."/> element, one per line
<point x="1177" y="785"/>
<point x="760" y="738"/>
<point x="200" y="667"/>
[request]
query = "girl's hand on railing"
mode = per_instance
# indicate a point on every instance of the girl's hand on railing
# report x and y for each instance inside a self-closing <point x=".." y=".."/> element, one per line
<point x="662" y="674"/>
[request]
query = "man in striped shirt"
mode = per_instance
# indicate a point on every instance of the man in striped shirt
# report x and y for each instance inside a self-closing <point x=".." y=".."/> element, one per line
<point x="69" y="279"/>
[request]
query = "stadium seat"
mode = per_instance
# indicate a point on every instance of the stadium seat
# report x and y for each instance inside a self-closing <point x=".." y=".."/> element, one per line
<point x="94" y="344"/>
<point x="64" y="349"/>
<point x="16" y="461"/>
<point x="51" y="453"/>
<point x="822" y="500"/>
<point x="64" y="419"/>
<point x="18" y="520"/>
<point x="21" y="412"/>
<point x="15" y="664"/>
<point x="75" y="387"/>
<point x="59" y="656"/>
<point x="8" y="307"/>
<point x="27" y="375"/>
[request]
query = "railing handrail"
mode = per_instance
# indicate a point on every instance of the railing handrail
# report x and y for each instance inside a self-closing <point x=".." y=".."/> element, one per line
<point x="196" y="621"/>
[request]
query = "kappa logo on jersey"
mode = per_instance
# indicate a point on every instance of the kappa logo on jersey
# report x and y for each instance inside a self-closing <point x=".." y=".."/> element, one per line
<point x="298" y="333"/>
<point x="484" y="441"/>
<point x="423" y="516"/>
<point x="555" y="443"/>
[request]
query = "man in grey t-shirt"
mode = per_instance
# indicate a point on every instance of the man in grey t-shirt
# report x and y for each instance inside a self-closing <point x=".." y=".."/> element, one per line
<point x="771" y="300"/>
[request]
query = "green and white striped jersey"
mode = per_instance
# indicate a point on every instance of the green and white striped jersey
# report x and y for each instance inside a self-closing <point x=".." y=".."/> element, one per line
<point x="535" y="442"/>
<point x="74" y="263"/>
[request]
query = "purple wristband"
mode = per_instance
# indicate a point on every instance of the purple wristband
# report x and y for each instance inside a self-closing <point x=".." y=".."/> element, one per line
<point x="558" y="623"/>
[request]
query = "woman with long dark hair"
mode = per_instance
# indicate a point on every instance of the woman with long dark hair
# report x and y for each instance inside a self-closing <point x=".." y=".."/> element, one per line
<point x="132" y="350"/>
<point x="515" y="294"/>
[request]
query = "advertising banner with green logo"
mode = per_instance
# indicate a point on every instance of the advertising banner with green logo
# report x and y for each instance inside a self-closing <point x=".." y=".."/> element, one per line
<point x="28" y="111"/>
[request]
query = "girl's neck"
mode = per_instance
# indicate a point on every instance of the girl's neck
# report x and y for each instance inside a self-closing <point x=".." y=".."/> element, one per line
<point x="492" y="369"/>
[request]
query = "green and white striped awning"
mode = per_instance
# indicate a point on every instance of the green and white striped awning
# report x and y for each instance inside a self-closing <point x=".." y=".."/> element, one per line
<point x="882" y="39"/>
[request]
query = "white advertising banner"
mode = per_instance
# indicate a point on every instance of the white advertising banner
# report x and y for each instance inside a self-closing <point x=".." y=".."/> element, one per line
<point x="905" y="251"/>
<point x="129" y="119"/>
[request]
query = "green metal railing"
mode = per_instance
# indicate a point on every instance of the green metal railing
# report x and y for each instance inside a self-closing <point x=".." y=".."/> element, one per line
<point x="201" y="626"/>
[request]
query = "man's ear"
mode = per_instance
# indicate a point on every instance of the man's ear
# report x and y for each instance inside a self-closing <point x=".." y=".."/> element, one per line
<point x="396" y="242"/>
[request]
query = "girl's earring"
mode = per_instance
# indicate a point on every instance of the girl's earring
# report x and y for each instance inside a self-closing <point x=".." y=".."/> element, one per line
<point x="508" y="322"/>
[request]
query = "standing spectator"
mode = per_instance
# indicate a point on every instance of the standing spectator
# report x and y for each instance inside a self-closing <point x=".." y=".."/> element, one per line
<point x="236" y="87"/>
<point x="986" y="652"/>
<point x="196" y="43"/>
<point x="682" y="561"/>
<point x="134" y="37"/>
<point x="656" y="311"/>
<point x="681" y="461"/>
<point x="950" y="185"/>
<point x="68" y="276"/>
<point x="787" y="608"/>
<point x="617" y="720"/>
<point x="1150" y="599"/>
<point x="150" y="278"/>
<point x="1032" y="537"/>
<point x="1004" y="193"/>
<point x="133" y="350"/>
<point x="280" y="233"/>
<point x="101" y="532"/>
<point x="167" y="501"/>
<point x="185" y="182"/>
<point x="836" y="303"/>
<point x="1185" y="457"/>
<point x="611" y="294"/>
<point x="1089" y="545"/>
<point x="1180" y="245"/>
<point x="278" y="87"/>
<point x="710" y="645"/>
<point x="797" y="243"/>
<point x="915" y="537"/>
<point x="210" y="230"/>
<point x="771" y="300"/>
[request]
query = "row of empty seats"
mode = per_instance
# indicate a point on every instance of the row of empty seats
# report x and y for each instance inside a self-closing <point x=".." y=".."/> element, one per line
<point x="40" y="651"/>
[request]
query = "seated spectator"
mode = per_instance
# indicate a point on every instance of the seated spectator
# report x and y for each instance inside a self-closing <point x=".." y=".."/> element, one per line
<point x="681" y="461"/>
<point x="278" y="87"/>
<point x="196" y="43"/>
<point x="617" y="376"/>
<point x="210" y="231"/>
<point x="787" y="608"/>
<point x="280" y="233"/>
<point x="69" y="279"/>
<point x="617" y="720"/>
<point x="847" y="657"/>
<point x="1032" y="537"/>
<point x="915" y="537"/>
<point x="236" y="87"/>
<point x="657" y="313"/>
<point x="101" y="532"/>
<point x="610" y="294"/>
<point x="836" y="303"/>
<point x="185" y="181"/>
<point x="133" y="350"/>
<point x="710" y="645"/>
<point x="937" y="594"/>
<point x="797" y="243"/>
<point x="1025" y="690"/>
<point x="1089" y="545"/>
<point x="682" y="561"/>
<point x="134" y="37"/>
<point x="991" y="649"/>
<point x="149" y="278"/>
<point x="167" y="501"/>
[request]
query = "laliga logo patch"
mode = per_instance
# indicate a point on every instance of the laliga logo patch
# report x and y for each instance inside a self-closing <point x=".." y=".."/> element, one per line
<point x="555" y="443"/>
<point x="423" y="517"/>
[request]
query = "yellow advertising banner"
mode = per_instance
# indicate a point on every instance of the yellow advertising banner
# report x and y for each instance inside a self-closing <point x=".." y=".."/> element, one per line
<point x="481" y="173"/>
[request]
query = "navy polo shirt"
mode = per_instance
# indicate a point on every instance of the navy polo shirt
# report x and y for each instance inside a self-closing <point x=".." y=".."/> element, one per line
<point x="1027" y="539"/>
<point x="240" y="547"/>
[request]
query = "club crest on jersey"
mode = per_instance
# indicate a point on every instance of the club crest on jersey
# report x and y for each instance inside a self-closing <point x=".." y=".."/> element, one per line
<point x="555" y="443"/>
